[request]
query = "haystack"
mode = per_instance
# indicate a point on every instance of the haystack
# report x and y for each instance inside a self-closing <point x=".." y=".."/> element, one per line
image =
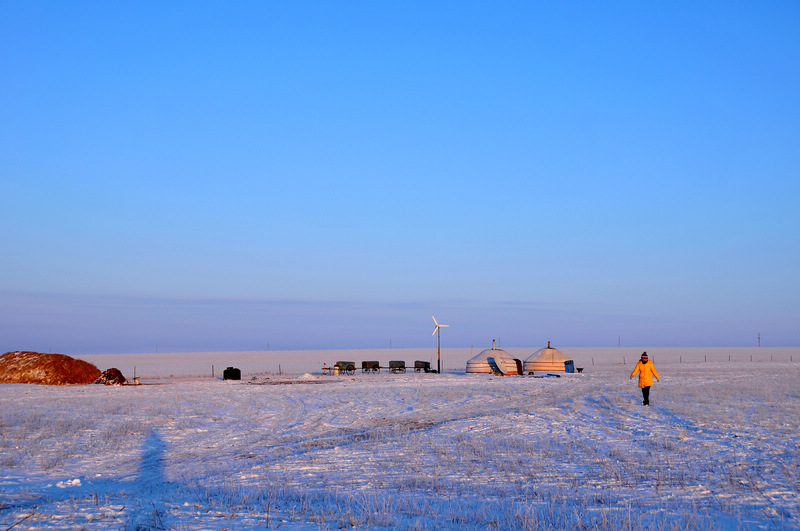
<point x="47" y="369"/>
<point x="112" y="376"/>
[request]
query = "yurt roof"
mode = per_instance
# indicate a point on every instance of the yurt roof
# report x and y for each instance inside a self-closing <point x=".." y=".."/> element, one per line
<point x="492" y="353"/>
<point x="548" y="354"/>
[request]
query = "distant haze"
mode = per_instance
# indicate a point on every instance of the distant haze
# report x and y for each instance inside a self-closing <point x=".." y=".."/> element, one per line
<point x="107" y="325"/>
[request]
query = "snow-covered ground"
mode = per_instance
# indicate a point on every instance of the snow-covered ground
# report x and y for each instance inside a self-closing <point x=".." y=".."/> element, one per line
<point x="717" y="448"/>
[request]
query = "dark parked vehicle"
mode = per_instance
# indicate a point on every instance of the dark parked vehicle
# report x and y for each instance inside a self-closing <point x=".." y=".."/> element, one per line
<point x="345" y="367"/>
<point x="370" y="366"/>
<point x="420" y="366"/>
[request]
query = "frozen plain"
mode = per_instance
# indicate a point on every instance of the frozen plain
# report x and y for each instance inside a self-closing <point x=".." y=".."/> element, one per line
<point x="718" y="448"/>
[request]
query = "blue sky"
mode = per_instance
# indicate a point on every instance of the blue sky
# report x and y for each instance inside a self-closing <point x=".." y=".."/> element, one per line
<point x="293" y="175"/>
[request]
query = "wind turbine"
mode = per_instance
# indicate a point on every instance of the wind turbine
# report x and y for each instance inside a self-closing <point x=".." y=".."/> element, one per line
<point x="436" y="331"/>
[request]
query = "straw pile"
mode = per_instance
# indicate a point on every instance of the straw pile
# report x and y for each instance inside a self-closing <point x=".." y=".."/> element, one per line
<point x="47" y="369"/>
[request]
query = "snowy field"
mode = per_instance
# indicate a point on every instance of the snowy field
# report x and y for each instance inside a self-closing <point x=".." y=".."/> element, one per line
<point x="718" y="448"/>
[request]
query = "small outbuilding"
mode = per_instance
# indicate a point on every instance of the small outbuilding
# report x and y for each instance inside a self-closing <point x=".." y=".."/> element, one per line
<point x="548" y="359"/>
<point x="232" y="373"/>
<point x="494" y="361"/>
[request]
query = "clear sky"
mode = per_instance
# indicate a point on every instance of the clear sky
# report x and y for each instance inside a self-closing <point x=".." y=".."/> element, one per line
<point x="293" y="175"/>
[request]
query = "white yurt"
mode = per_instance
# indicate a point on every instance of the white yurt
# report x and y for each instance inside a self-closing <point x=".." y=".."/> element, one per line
<point x="548" y="359"/>
<point x="493" y="360"/>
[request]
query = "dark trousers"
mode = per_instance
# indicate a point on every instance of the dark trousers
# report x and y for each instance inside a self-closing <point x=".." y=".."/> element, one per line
<point x="646" y="395"/>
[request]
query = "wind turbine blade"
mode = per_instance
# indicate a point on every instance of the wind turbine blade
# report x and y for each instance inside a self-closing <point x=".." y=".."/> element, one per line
<point x="434" y="320"/>
<point x="434" y="330"/>
<point x="443" y="326"/>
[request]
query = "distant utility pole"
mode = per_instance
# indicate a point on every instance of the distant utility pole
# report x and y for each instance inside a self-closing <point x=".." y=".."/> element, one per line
<point x="759" y="339"/>
<point x="619" y="341"/>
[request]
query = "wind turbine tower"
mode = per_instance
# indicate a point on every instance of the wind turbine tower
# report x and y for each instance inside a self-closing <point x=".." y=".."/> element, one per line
<point x="438" y="332"/>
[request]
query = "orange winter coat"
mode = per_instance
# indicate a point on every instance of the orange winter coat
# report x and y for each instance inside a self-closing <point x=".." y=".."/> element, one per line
<point x="646" y="372"/>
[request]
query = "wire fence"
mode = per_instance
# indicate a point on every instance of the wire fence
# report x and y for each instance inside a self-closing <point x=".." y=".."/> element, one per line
<point x="704" y="358"/>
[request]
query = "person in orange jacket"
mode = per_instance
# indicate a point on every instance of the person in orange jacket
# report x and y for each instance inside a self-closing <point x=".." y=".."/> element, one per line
<point x="646" y="371"/>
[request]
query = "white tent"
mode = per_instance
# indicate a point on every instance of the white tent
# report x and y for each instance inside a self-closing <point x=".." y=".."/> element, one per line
<point x="493" y="360"/>
<point x="548" y="359"/>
